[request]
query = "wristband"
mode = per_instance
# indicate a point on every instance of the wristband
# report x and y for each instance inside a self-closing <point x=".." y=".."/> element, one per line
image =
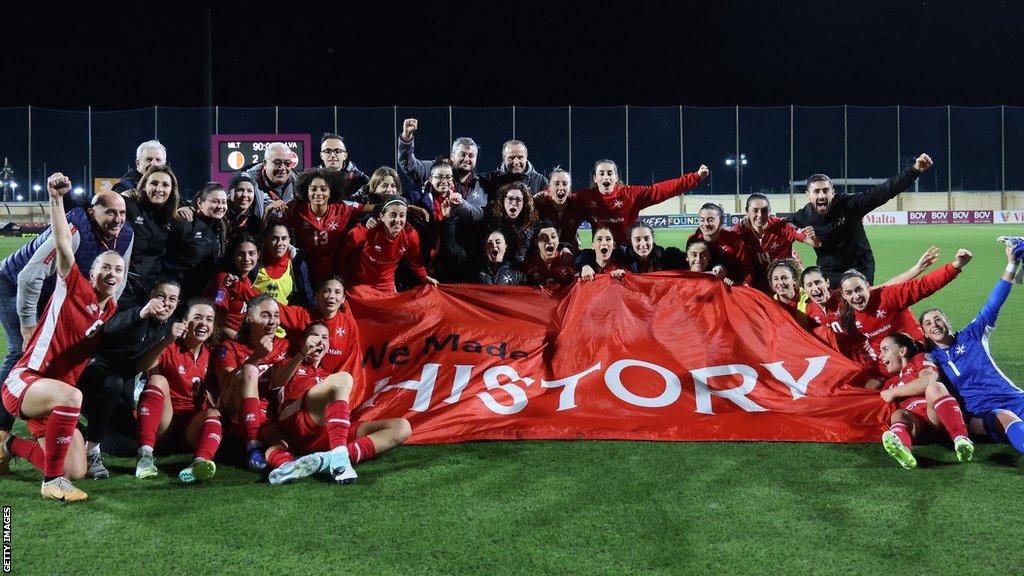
<point x="1011" y="267"/>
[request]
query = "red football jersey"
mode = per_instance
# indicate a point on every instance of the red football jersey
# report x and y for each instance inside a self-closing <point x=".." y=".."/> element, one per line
<point x="730" y="252"/>
<point x="371" y="256"/>
<point x="66" y="336"/>
<point x="620" y="209"/>
<point x="774" y="243"/>
<point x="290" y="395"/>
<point x="186" y="376"/>
<point x="231" y="300"/>
<point x="548" y="275"/>
<point x="567" y="222"/>
<point x="320" y="237"/>
<point x="343" y="343"/>
<point x="887" y="311"/>
<point x="908" y="374"/>
<point x="233" y="354"/>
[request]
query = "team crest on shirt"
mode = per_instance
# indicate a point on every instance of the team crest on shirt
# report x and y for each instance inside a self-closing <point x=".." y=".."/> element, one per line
<point x="617" y="204"/>
<point x="92" y="308"/>
<point x="139" y="220"/>
<point x="339" y="331"/>
<point x="960" y="349"/>
<point x="880" y="314"/>
<point x="377" y="247"/>
<point x="332" y="225"/>
<point x="301" y="371"/>
<point x="181" y="369"/>
<point x="774" y="246"/>
<point x="199" y="234"/>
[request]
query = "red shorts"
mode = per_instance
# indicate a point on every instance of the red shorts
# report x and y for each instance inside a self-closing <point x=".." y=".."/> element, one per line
<point x="303" y="433"/>
<point x="919" y="408"/>
<point x="14" y="390"/>
<point x="15" y="386"/>
<point x="175" y="439"/>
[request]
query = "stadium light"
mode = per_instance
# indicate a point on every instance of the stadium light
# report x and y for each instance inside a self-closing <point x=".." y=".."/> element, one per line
<point x="729" y="161"/>
<point x="20" y="197"/>
<point x="36" y="187"/>
<point x="78" y="190"/>
<point x="14" y="185"/>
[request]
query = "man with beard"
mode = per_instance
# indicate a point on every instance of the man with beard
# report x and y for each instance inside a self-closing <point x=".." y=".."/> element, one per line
<point x="836" y="219"/>
<point x="274" y="177"/>
<point x="515" y="167"/>
<point x="334" y="154"/>
<point x="463" y="161"/>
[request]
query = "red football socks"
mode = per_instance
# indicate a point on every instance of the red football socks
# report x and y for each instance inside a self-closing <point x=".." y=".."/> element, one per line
<point x="901" y="431"/>
<point x="29" y="450"/>
<point x="151" y="410"/>
<point x="60" y="429"/>
<point x="279" y="457"/>
<point x="361" y="450"/>
<point x="336" y="418"/>
<point x="209" y="439"/>
<point x="951" y="417"/>
<point x="250" y="418"/>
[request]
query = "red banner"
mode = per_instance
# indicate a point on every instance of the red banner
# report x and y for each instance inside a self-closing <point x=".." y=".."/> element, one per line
<point x="667" y="356"/>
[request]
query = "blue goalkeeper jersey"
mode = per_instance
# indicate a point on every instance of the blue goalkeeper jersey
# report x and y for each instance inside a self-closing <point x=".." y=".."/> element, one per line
<point x="968" y="363"/>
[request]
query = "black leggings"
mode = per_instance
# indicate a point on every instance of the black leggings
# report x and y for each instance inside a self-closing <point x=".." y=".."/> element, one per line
<point x="101" y="389"/>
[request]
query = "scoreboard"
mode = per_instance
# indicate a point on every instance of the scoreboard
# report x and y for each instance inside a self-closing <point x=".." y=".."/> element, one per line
<point x="233" y="152"/>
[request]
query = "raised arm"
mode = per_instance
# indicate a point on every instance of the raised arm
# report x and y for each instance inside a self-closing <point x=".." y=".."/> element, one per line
<point x="661" y="191"/>
<point x="417" y="170"/>
<point x="1000" y="292"/>
<point x="930" y="256"/>
<point x="58" y="185"/>
<point x="861" y="204"/>
<point x="908" y="293"/>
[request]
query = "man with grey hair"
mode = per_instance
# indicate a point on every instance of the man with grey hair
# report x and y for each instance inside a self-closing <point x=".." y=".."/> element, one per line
<point x="275" y="176"/>
<point x="463" y="162"/>
<point x="149" y="153"/>
<point x="515" y="167"/>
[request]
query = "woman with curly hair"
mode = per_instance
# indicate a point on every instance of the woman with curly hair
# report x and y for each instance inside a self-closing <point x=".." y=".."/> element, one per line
<point x="512" y="212"/>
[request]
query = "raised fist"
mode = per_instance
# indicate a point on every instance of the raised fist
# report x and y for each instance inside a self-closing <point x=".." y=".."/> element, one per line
<point x="178" y="329"/>
<point x="313" y="343"/>
<point x="264" y="346"/>
<point x="152" y="308"/>
<point x="58" y="185"/>
<point x="963" y="256"/>
<point x="923" y="163"/>
<point x="409" y="126"/>
<point x="703" y="171"/>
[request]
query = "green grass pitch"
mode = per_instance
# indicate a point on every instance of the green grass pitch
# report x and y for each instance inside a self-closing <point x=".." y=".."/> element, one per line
<point x="575" y="507"/>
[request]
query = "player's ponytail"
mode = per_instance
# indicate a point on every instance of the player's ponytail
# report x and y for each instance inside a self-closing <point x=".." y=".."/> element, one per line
<point x="904" y="340"/>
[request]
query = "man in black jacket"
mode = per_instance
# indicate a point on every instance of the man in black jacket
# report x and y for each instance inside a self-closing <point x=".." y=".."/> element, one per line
<point x="837" y="220"/>
<point x="515" y="167"/>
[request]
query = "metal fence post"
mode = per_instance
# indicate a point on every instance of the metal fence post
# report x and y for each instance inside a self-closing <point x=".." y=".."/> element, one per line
<point x="627" y="144"/>
<point x="949" y="158"/>
<point x="739" y="165"/>
<point x="29" y="148"/>
<point x="88" y="172"/>
<point x="792" y="160"/>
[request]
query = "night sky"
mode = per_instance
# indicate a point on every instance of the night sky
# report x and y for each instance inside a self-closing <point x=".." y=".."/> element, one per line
<point x="529" y="54"/>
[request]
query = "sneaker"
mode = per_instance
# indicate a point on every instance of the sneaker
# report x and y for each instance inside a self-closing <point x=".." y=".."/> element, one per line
<point x="62" y="490"/>
<point x="341" y="469"/>
<point x="200" y="471"/>
<point x="257" y="463"/>
<point x="5" y="454"/>
<point x="146" y="468"/>
<point x="964" y="449"/>
<point x="300" y="468"/>
<point x="894" y="446"/>
<point x="97" y="470"/>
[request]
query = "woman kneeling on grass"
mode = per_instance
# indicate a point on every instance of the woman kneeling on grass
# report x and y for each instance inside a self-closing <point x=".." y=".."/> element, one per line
<point x="313" y="418"/>
<point x="177" y="371"/>
<point x="925" y="406"/>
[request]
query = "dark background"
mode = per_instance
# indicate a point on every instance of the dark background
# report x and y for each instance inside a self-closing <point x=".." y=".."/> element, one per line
<point x="528" y="54"/>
